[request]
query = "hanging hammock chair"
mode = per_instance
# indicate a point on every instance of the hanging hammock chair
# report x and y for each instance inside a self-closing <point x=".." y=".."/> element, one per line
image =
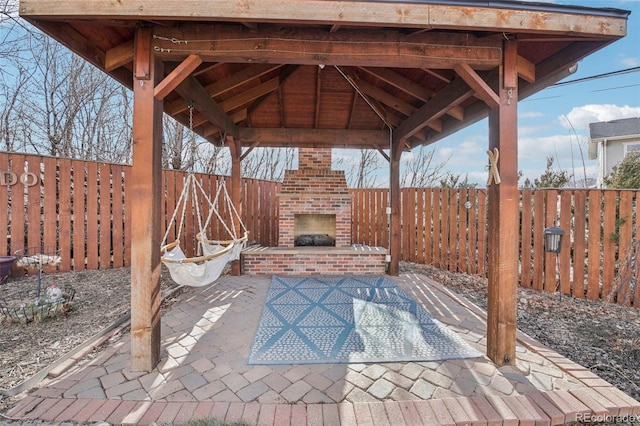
<point x="212" y="255"/>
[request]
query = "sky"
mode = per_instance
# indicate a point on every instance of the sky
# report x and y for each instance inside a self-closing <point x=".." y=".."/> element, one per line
<point x="555" y="121"/>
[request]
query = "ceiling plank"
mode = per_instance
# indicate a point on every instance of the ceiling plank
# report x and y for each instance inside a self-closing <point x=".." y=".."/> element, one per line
<point x="479" y="86"/>
<point x="279" y="137"/>
<point x="190" y="89"/>
<point x="119" y="56"/>
<point x="177" y="76"/>
<point x="306" y="46"/>
<point x="448" y="97"/>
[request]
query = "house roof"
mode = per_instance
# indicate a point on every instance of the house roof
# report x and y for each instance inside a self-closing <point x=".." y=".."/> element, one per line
<point x="324" y="73"/>
<point x="615" y="128"/>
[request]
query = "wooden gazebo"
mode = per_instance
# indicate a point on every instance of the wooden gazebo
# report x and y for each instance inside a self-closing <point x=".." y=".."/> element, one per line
<point x="379" y="74"/>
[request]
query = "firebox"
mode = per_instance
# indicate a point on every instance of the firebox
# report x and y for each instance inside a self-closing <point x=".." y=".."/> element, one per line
<point x="314" y="230"/>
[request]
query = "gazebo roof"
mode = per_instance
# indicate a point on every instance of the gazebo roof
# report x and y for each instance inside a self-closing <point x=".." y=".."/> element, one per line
<point x="323" y="73"/>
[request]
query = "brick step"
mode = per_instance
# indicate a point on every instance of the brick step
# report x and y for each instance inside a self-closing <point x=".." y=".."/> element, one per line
<point x="355" y="260"/>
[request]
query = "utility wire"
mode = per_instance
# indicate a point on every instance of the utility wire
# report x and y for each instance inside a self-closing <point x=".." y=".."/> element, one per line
<point x="598" y="76"/>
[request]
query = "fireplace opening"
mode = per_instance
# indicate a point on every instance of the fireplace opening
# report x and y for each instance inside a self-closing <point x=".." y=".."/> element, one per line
<point x="314" y="230"/>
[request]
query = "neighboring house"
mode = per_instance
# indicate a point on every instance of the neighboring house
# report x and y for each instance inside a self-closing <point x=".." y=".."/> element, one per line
<point x="611" y="141"/>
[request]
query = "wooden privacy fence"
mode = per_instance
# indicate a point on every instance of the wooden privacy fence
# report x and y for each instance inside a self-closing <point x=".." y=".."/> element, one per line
<point x="82" y="209"/>
<point x="447" y="228"/>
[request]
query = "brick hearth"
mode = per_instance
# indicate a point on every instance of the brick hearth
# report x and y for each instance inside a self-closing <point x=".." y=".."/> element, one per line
<point x="314" y="189"/>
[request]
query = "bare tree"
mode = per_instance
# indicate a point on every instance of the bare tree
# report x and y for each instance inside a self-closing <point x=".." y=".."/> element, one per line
<point x="268" y="163"/>
<point x="12" y="110"/>
<point x="362" y="171"/>
<point x="420" y="170"/>
<point x="72" y="109"/>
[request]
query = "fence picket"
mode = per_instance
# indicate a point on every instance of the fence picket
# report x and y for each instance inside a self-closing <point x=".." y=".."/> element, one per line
<point x="609" y="241"/>
<point x="593" y="256"/>
<point x="565" y="254"/>
<point x="525" y="239"/>
<point x="64" y="215"/>
<point x="579" y="244"/>
<point x="538" y="241"/>
<point x="117" y="221"/>
<point x="625" y="218"/>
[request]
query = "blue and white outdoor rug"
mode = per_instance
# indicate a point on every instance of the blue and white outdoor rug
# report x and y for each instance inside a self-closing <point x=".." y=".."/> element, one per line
<point x="348" y="320"/>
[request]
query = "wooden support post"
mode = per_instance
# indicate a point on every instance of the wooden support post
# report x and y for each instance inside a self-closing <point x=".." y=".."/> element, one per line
<point x="144" y="194"/>
<point x="504" y="217"/>
<point x="235" y="147"/>
<point x="395" y="226"/>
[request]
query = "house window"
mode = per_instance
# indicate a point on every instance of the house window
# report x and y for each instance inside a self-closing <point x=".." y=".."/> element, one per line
<point x="631" y="147"/>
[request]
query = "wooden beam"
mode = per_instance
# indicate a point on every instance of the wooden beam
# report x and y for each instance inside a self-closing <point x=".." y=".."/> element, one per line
<point x="144" y="191"/>
<point x="119" y="56"/>
<point x="235" y="148"/>
<point x="503" y="216"/>
<point x="249" y="149"/>
<point x="382" y="14"/>
<point x="177" y="76"/>
<point x="190" y="89"/>
<point x="304" y="46"/>
<point x="395" y="227"/>
<point x="479" y="86"/>
<point x="526" y="69"/>
<point x="447" y="98"/>
<point x="339" y="138"/>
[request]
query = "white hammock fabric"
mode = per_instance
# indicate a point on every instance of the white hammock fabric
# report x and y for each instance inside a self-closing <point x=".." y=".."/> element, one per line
<point x="213" y="254"/>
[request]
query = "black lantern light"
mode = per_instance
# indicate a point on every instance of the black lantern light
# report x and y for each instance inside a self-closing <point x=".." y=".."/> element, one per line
<point x="553" y="239"/>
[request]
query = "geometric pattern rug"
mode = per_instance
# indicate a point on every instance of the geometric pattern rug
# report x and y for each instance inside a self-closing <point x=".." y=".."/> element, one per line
<point x="310" y="320"/>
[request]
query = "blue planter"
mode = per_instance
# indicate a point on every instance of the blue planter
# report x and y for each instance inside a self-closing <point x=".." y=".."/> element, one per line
<point x="5" y="266"/>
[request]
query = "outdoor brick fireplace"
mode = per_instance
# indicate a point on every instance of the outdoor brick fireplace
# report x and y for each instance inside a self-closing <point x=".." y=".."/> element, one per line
<point x="314" y="209"/>
<point x="314" y="201"/>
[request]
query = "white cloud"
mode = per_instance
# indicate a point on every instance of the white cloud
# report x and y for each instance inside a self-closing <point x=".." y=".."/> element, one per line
<point x="530" y="114"/>
<point x="580" y="117"/>
<point x="630" y="61"/>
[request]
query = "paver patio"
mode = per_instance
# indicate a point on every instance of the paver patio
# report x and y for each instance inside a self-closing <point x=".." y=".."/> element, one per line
<point x="206" y="338"/>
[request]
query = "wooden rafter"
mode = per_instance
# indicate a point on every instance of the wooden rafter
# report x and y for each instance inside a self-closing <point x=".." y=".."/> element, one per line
<point x="119" y="56"/>
<point x="193" y="91"/>
<point x="224" y="85"/>
<point x="450" y="96"/>
<point x="177" y="76"/>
